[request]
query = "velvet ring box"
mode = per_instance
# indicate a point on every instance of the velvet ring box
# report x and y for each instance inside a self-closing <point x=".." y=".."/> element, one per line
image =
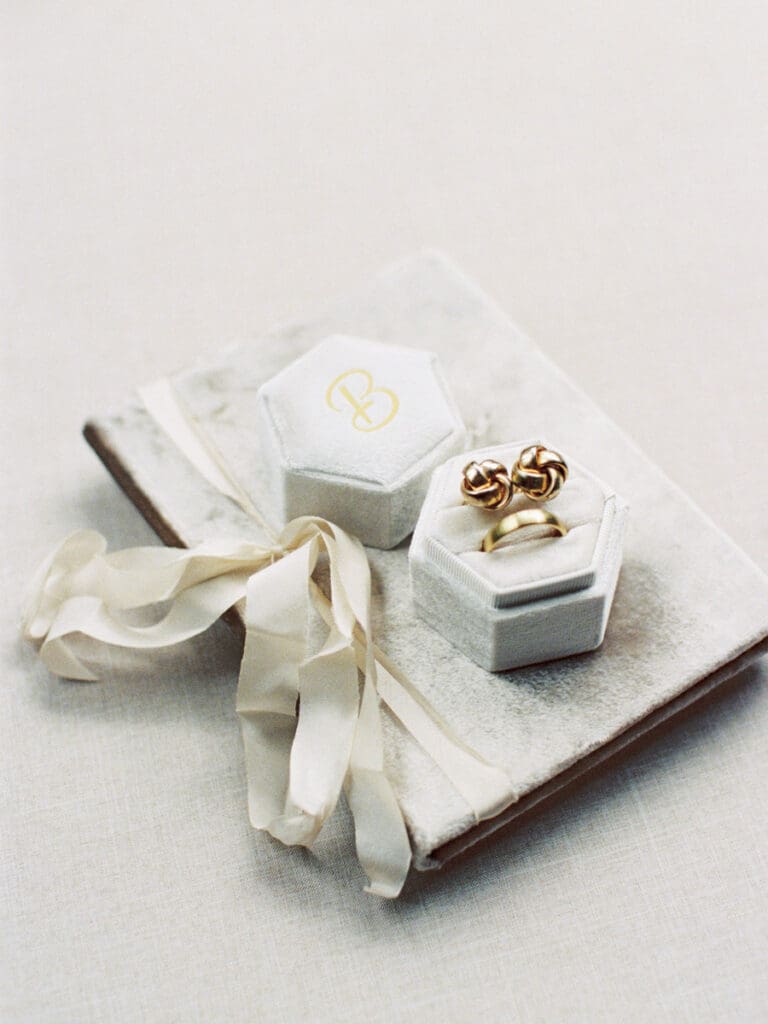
<point x="543" y="598"/>
<point x="352" y="431"/>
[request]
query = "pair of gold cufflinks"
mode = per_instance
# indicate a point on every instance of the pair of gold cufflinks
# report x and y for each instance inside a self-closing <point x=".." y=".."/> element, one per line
<point x="539" y="474"/>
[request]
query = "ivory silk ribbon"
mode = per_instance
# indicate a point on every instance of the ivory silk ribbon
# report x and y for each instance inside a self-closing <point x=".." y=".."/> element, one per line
<point x="309" y="708"/>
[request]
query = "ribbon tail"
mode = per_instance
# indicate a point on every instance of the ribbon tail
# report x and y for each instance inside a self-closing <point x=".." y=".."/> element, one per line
<point x="268" y="686"/>
<point x="295" y="765"/>
<point x="483" y="785"/>
<point x="381" y="838"/>
<point x="329" y="692"/>
<point x="329" y="700"/>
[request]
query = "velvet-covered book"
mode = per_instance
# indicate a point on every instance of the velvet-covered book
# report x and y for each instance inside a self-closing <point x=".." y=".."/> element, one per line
<point x="690" y="610"/>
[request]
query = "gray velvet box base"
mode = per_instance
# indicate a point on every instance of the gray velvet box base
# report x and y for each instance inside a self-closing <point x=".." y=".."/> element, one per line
<point x="498" y="639"/>
<point x="690" y="608"/>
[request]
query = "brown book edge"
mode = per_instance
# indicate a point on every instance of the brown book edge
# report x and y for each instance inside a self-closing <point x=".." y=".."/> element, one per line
<point x="531" y="802"/>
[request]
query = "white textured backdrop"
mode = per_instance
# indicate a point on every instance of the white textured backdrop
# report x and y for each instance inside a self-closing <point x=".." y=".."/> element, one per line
<point x="175" y="174"/>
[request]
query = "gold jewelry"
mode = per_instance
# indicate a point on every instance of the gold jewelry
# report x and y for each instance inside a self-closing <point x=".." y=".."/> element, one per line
<point x="539" y="472"/>
<point x="518" y="521"/>
<point x="486" y="484"/>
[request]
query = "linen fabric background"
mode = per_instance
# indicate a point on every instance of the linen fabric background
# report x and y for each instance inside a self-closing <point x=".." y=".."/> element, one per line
<point x="175" y="177"/>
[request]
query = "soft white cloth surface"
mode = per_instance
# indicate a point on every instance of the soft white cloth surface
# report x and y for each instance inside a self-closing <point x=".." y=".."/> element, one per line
<point x="172" y="178"/>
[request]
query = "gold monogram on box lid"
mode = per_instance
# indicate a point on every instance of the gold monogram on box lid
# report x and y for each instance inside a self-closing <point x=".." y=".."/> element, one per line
<point x="354" y="429"/>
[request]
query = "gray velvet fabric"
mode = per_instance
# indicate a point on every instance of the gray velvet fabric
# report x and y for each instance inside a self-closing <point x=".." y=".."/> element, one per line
<point x="690" y="605"/>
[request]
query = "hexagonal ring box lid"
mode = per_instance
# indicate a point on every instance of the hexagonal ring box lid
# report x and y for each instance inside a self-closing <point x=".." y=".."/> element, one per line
<point x="534" y="601"/>
<point x="352" y="431"/>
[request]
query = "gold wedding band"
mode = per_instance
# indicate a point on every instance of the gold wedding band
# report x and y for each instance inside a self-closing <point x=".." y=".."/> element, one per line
<point x="520" y="520"/>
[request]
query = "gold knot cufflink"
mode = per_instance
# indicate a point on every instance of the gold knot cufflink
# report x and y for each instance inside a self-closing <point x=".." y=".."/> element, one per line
<point x="539" y="473"/>
<point x="486" y="484"/>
